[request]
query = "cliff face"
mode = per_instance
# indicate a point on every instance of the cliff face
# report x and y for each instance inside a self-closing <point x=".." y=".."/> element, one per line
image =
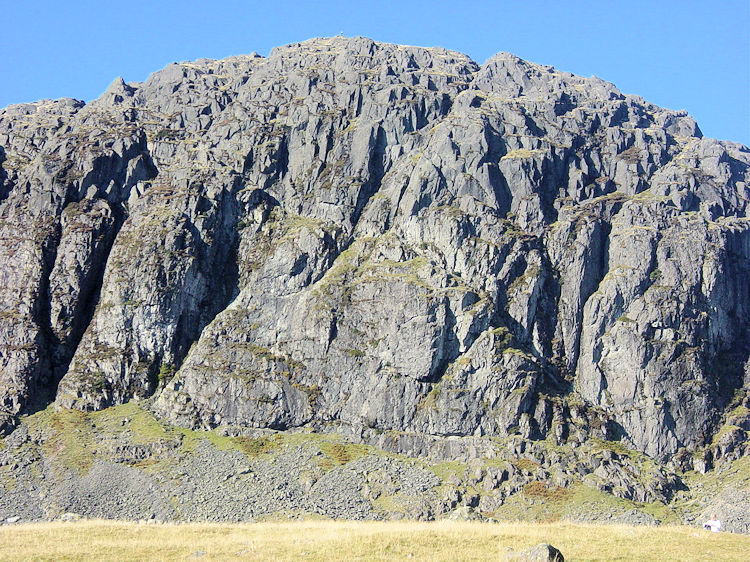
<point x="349" y="233"/>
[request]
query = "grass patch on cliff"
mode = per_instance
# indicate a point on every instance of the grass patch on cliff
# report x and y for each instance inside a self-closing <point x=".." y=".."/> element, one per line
<point x="732" y="476"/>
<point x="141" y="425"/>
<point x="348" y="540"/>
<point x="541" y="490"/>
<point x="445" y="470"/>
<point x="394" y="506"/>
<point x="74" y="440"/>
<point x="544" y="503"/>
<point x="68" y="437"/>
<point x="343" y="453"/>
<point x="254" y="447"/>
<point x="620" y="449"/>
<point x="585" y="500"/>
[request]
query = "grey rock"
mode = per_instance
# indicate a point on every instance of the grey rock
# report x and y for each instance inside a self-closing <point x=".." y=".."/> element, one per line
<point x="463" y="513"/>
<point x="539" y="553"/>
<point x="371" y="238"/>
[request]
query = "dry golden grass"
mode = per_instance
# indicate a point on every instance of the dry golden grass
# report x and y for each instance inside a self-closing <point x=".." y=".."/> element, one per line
<point x="336" y="540"/>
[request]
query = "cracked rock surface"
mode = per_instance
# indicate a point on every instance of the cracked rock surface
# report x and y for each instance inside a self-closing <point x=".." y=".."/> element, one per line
<point x="351" y="234"/>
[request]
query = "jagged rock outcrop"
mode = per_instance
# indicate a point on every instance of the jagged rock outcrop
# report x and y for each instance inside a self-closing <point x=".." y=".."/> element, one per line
<point x="380" y="237"/>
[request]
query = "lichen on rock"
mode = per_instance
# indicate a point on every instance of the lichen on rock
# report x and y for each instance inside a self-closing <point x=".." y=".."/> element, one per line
<point x="351" y="234"/>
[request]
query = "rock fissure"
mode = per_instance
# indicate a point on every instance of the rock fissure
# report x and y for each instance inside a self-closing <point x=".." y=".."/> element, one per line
<point x="367" y="235"/>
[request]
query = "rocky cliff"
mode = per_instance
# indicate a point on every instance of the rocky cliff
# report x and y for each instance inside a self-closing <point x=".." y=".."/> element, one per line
<point x="350" y="235"/>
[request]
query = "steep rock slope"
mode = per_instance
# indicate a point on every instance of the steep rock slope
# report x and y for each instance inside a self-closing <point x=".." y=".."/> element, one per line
<point x="349" y="233"/>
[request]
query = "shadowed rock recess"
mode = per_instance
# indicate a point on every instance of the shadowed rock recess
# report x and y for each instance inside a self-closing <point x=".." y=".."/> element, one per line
<point x="392" y="242"/>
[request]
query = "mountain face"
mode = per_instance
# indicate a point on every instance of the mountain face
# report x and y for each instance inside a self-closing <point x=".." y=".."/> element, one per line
<point x="378" y="237"/>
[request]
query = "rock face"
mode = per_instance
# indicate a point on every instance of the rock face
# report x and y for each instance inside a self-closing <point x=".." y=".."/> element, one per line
<point x="349" y="233"/>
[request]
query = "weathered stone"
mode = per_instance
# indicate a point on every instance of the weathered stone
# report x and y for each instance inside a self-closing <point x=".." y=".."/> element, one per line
<point x="539" y="553"/>
<point x="375" y="238"/>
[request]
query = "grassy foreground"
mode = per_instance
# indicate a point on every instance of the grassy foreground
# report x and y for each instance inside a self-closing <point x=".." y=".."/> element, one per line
<point x="336" y="540"/>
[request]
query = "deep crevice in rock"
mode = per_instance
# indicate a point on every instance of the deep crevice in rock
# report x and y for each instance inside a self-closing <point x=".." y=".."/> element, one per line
<point x="5" y="186"/>
<point x="41" y="392"/>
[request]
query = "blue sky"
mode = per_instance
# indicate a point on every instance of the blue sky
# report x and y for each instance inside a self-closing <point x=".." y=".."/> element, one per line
<point x="687" y="54"/>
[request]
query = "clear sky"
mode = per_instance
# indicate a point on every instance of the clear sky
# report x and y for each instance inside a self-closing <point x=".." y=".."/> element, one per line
<point x="687" y="54"/>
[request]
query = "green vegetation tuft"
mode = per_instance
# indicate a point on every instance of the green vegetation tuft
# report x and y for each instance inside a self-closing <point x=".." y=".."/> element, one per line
<point x="616" y="447"/>
<point x="445" y="470"/>
<point x="537" y="489"/>
<point x="166" y="372"/>
<point x="257" y="447"/>
<point x="70" y="443"/>
<point x="343" y="453"/>
<point x="526" y="464"/>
